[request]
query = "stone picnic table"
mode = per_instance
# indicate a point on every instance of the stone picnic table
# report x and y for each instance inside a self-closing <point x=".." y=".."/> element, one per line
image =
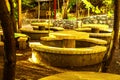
<point x="95" y="27"/>
<point x="19" y="38"/>
<point x="69" y="37"/>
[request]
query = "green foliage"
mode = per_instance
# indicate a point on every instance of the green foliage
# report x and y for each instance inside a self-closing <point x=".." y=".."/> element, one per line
<point x="109" y="5"/>
<point x="26" y="4"/>
<point x="72" y="3"/>
<point x="87" y="4"/>
<point x="108" y="2"/>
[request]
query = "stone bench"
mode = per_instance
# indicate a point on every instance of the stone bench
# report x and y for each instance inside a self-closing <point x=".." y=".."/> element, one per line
<point x="53" y="41"/>
<point x="90" y="42"/>
<point x="56" y="28"/>
<point x="22" y="41"/>
<point x="104" y="36"/>
<point x="83" y="29"/>
<point x="104" y="30"/>
<point x="64" y="57"/>
<point x="95" y="28"/>
<point x="101" y="30"/>
<point x="95" y="40"/>
<point x="49" y="38"/>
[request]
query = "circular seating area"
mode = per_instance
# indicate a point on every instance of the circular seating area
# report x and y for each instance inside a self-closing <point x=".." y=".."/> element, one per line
<point x="64" y="57"/>
<point x="87" y="42"/>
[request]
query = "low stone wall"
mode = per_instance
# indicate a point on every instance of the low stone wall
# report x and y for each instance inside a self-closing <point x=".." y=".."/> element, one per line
<point x="96" y="19"/>
<point x="99" y="19"/>
<point x="71" y="24"/>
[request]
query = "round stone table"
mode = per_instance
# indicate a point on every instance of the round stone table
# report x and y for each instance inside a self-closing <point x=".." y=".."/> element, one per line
<point x="82" y="76"/>
<point x="41" y="24"/>
<point x="69" y="37"/>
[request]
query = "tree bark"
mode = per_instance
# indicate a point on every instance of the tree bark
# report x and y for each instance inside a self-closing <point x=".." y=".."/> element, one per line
<point x="13" y="15"/>
<point x="64" y="9"/>
<point x="115" y="35"/>
<point x="9" y="41"/>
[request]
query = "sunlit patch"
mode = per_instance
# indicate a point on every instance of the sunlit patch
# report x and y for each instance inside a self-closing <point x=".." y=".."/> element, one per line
<point x="33" y="59"/>
<point x="18" y="54"/>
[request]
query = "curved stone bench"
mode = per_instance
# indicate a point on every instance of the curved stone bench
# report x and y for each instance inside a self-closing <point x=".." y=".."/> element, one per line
<point x="51" y="41"/>
<point x="100" y="26"/>
<point x="104" y="30"/>
<point x="55" y="28"/>
<point x="104" y="36"/>
<point x="101" y="30"/>
<point x="35" y="34"/>
<point x="87" y="42"/>
<point x="64" y="57"/>
<point x="83" y="29"/>
<point x="95" y="40"/>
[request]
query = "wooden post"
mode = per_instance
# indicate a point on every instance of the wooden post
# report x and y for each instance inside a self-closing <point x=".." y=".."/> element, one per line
<point x="76" y="14"/>
<point x="19" y="14"/>
<point x="88" y="12"/>
<point x="49" y="19"/>
<point x="58" y="6"/>
<point x="38" y="10"/>
<point x="54" y="9"/>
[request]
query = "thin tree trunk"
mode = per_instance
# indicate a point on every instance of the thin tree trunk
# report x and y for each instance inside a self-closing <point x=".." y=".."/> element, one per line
<point x="64" y="9"/>
<point x="9" y="41"/>
<point x="13" y="15"/>
<point x="115" y="35"/>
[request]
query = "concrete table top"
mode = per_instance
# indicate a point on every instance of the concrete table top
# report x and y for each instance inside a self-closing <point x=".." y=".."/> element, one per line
<point x="82" y="76"/>
<point x="41" y="24"/>
<point x="69" y="37"/>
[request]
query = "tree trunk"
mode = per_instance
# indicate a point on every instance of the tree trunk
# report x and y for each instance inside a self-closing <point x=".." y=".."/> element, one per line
<point x="9" y="41"/>
<point x="64" y="9"/>
<point x="13" y="15"/>
<point x="115" y="35"/>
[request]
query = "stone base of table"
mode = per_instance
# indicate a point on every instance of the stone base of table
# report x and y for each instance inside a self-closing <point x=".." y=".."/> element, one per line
<point x="69" y="43"/>
<point x="95" y="30"/>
